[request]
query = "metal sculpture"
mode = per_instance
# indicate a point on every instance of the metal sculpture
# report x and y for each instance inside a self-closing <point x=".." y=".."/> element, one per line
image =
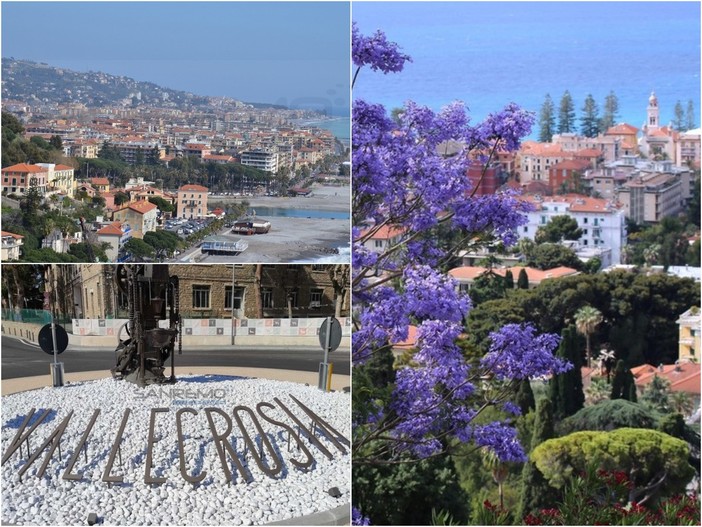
<point x="152" y="296"/>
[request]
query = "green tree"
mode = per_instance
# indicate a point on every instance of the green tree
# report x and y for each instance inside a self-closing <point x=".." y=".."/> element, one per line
<point x="566" y="114"/>
<point x="590" y="121"/>
<point x="525" y="397"/>
<point x="610" y="113"/>
<point x="656" y="395"/>
<point x="586" y="321"/>
<point x="622" y="382"/>
<point x="566" y="389"/>
<point x="562" y="227"/>
<point x="509" y="280"/>
<point x="162" y="204"/>
<point x="523" y="279"/>
<point x="121" y="198"/>
<point x="549" y="255"/>
<point x="56" y="143"/>
<point x="138" y="249"/>
<point x="609" y="414"/>
<point x="690" y="115"/>
<point x="547" y="120"/>
<point x="656" y="463"/>
<point x="535" y="492"/>
<point x="679" y="119"/>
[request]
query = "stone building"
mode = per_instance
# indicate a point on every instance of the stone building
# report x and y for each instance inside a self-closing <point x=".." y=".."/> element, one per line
<point x="262" y="291"/>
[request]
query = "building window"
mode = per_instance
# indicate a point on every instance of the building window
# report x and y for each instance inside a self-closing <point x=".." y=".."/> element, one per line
<point x="238" y="297"/>
<point x="585" y="232"/>
<point x="267" y="298"/>
<point x="543" y="220"/>
<point x="378" y="243"/>
<point x="596" y="223"/>
<point x="526" y="229"/>
<point x="316" y="297"/>
<point x="585" y="220"/>
<point x="201" y="296"/>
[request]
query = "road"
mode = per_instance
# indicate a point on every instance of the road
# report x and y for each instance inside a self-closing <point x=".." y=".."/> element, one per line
<point x="20" y="359"/>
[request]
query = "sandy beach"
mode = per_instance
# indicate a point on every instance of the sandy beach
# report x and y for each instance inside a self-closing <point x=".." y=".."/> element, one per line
<point x="299" y="240"/>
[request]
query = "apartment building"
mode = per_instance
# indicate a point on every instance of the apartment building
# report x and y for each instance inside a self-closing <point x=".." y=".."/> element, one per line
<point x="261" y="159"/>
<point x="689" y="339"/>
<point x="688" y="148"/>
<point x="602" y="222"/>
<point x="60" y="178"/>
<point x="191" y="202"/>
<point x="140" y="215"/>
<point x="11" y="246"/>
<point x="535" y="160"/>
<point x="651" y="197"/>
<point x="18" y="179"/>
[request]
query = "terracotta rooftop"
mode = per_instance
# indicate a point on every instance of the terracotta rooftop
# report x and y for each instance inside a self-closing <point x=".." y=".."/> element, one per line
<point x="15" y="236"/>
<point x="576" y="203"/>
<point x="469" y="272"/>
<point x="683" y="377"/>
<point x="194" y="188"/>
<point x="24" y="167"/>
<point x="386" y="232"/>
<point x="622" y="129"/>
<point x="113" y="229"/>
<point x="99" y="181"/>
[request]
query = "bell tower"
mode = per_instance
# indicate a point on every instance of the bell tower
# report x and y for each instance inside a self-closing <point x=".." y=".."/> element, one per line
<point x="652" y="112"/>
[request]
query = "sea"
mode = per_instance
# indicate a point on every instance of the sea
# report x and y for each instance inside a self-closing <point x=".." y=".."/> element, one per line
<point x="488" y="54"/>
<point x="339" y="126"/>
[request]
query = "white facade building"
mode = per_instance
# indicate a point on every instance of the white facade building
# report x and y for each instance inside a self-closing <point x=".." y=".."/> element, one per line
<point x="603" y="224"/>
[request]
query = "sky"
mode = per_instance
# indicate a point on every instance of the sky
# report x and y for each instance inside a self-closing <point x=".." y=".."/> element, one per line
<point x="291" y="53"/>
<point x="491" y="53"/>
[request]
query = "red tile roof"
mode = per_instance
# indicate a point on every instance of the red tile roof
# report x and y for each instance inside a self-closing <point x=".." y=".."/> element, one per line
<point x="113" y="229"/>
<point x="386" y="232"/>
<point x="469" y="272"/>
<point x="622" y="129"/>
<point x="24" y="167"/>
<point x="99" y="181"/>
<point x="683" y="377"/>
<point x="194" y="188"/>
<point x="16" y="236"/>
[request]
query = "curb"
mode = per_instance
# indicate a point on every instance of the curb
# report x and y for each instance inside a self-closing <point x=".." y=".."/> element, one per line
<point x="340" y="515"/>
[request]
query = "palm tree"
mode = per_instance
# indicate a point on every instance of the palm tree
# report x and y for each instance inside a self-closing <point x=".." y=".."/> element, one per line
<point x="681" y="403"/>
<point x="587" y="319"/>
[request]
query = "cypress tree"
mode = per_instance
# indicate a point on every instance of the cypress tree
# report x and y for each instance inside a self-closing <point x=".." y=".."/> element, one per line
<point x="536" y="493"/>
<point x="523" y="279"/>
<point x="622" y="383"/>
<point x="525" y="397"/>
<point x="509" y="280"/>
<point x="567" y="394"/>
<point x="678" y="122"/>
<point x="690" y="115"/>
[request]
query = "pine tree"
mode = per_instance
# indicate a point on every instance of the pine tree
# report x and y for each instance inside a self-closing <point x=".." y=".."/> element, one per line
<point x="567" y="394"/>
<point x="611" y="112"/>
<point x="523" y="279"/>
<point x="536" y="493"/>
<point x="589" y="122"/>
<point x="509" y="280"/>
<point x="566" y="114"/>
<point x="547" y="120"/>
<point x="622" y="383"/>
<point x="678" y="122"/>
<point x="690" y="115"/>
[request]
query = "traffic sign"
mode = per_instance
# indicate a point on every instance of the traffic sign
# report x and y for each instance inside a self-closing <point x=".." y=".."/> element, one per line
<point x="334" y="337"/>
<point x="46" y="342"/>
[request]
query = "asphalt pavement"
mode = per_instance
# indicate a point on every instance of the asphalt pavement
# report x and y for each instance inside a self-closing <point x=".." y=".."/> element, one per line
<point x="22" y="359"/>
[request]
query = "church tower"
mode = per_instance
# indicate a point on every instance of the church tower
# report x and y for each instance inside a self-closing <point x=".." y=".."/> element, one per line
<point x="652" y="112"/>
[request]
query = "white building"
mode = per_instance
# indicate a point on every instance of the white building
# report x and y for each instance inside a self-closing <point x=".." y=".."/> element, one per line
<point x="603" y="224"/>
<point x="262" y="159"/>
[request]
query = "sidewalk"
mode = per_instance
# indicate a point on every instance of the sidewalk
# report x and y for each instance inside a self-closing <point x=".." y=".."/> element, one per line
<point x="339" y="382"/>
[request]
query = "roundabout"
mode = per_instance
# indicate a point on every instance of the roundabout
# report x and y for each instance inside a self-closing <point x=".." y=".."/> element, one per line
<point x="209" y="450"/>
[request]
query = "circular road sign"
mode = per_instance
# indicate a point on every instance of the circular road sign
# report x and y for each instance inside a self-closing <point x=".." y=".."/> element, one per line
<point x="335" y="334"/>
<point x="46" y="343"/>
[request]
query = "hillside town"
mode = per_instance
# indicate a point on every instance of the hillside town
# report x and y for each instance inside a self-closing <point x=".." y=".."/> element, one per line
<point x="102" y="177"/>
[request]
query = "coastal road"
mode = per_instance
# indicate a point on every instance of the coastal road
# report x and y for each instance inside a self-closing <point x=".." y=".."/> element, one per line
<point x="20" y="359"/>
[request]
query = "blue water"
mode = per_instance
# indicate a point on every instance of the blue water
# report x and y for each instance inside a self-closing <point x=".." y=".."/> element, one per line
<point x="339" y="126"/>
<point x="265" y="212"/>
<point x="490" y="53"/>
